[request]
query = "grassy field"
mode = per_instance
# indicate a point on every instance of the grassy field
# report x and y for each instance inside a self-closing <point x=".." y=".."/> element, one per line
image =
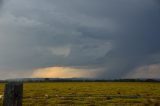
<point x="90" y="94"/>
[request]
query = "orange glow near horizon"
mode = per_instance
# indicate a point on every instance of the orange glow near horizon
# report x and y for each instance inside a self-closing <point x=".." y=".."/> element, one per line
<point x="63" y="72"/>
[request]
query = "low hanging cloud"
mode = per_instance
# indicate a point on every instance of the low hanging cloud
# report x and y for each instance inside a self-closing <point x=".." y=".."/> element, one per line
<point x="148" y="71"/>
<point x="117" y="37"/>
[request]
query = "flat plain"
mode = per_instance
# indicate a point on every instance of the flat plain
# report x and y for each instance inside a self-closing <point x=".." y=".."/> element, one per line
<point x="90" y="94"/>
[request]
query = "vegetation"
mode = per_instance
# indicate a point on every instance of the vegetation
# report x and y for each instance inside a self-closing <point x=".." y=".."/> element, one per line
<point x="90" y="94"/>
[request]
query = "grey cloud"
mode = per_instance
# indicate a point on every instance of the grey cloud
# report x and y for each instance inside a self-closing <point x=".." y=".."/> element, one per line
<point x="117" y="36"/>
<point x="1" y="2"/>
<point x="136" y="45"/>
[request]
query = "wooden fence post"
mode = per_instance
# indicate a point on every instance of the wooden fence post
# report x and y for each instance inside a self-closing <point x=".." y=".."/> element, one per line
<point x="13" y="94"/>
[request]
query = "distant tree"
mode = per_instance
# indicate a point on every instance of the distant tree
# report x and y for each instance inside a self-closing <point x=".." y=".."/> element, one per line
<point x="47" y="79"/>
<point x="150" y="80"/>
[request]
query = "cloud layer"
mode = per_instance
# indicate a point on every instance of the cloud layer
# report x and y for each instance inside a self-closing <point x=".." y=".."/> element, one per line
<point x="116" y="36"/>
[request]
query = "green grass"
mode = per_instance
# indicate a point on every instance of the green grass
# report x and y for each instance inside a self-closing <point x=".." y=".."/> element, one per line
<point x="91" y="94"/>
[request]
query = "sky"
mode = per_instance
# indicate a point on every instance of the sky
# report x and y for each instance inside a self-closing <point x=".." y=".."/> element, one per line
<point x="106" y="39"/>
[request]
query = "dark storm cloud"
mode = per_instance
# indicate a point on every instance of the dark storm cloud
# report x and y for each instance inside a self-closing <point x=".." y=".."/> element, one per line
<point x="135" y="45"/>
<point x="157" y="1"/>
<point x="1" y="1"/>
<point x="117" y="36"/>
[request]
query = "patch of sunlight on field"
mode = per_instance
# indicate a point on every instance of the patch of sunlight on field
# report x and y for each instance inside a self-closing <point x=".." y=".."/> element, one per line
<point x="91" y="94"/>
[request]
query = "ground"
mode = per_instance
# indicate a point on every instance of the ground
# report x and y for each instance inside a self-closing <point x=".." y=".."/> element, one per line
<point x="90" y="94"/>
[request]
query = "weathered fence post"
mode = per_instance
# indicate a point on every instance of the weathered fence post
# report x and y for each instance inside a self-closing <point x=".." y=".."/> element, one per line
<point x="13" y="94"/>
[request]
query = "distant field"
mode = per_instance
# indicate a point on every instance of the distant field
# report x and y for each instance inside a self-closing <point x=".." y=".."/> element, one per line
<point x="90" y="94"/>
